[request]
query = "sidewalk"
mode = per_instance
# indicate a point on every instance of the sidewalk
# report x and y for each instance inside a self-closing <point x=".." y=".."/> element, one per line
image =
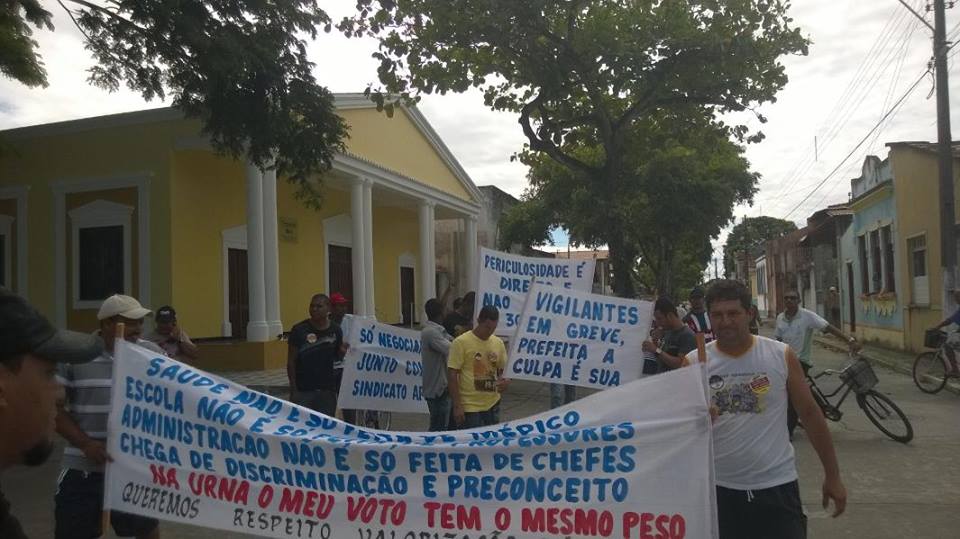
<point x="901" y="362"/>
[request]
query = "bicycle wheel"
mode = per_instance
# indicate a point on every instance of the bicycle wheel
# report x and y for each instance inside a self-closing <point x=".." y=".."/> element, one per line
<point x="885" y="415"/>
<point x="930" y="372"/>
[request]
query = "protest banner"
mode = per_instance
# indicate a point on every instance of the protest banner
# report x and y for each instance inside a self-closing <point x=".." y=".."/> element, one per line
<point x="382" y="369"/>
<point x="505" y="279"/>
<point x="190" y="447"/>
<point x="578" y="338"/>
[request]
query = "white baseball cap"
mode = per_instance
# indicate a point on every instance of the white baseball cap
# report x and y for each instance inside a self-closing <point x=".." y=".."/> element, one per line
<point x="120" y="305"/>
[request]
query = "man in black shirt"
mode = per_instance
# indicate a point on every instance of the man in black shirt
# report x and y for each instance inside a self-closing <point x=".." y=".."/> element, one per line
<point x="315" y="360"/>
<point x="30" y="349"/>
<point x="460" y="320"/>
<point x="678" y="340"/>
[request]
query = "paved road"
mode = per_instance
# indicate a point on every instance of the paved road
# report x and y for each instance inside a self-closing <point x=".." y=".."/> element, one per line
<point x="896" y="491"/>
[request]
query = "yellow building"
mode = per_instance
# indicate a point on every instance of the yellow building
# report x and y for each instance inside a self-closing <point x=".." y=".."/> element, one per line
<point x="139" y="203"/>
<point x="916" y="173"/>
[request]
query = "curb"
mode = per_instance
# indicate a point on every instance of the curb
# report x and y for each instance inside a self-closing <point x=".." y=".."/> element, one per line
<point x="892" y="364"/>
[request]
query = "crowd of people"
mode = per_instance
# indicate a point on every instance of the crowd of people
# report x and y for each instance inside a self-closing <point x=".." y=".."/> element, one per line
<point x="60" y="380"/>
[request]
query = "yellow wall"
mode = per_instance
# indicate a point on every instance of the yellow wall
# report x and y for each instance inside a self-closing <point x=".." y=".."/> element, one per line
<point x="397" y="144"/>
<point x="916" y="175"/>
<point x="39" y="160"/>
<point x="395" y="231"/>
<point x="303" y="269"/>
<point x="208" y="195"/>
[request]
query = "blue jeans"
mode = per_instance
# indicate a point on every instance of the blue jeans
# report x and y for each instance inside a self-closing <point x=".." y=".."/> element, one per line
<point x="440" y="412"/>
<point x="473" y="420"/>
<point x="561" y="394"/>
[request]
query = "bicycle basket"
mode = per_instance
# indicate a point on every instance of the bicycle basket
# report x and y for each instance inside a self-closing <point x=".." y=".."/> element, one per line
<point x="933" y="338"/>
<point x="859" y="376"/>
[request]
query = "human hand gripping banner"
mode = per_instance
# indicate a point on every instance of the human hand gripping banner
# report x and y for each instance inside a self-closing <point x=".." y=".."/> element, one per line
<point x="383" y="369"/>
<point x="578" y="338"/>
<point x="504" y="280"/>
<point x="190" y="447"/>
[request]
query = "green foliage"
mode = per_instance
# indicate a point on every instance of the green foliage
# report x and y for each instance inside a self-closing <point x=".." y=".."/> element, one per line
<point x="239" y="66"/>
<point x="581" y="75"/>
<point x="18" y="57"/>
<point x="752" y="234"/>
<point x="683" y="176"/>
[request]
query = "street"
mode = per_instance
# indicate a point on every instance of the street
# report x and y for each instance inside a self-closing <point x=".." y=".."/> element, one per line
<point x="895" y="490"/>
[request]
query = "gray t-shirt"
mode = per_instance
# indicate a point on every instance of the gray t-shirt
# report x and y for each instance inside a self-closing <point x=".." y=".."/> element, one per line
<point x="677" y="342"/>
<point x="435" y="344"/>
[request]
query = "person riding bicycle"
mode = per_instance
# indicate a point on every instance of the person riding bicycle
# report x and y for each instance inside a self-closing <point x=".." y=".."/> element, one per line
<point x="953" y="337"/>
<point x="795" y="327"/>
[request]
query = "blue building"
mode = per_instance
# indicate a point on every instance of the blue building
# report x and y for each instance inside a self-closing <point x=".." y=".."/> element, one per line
<point x="869" y="277"/>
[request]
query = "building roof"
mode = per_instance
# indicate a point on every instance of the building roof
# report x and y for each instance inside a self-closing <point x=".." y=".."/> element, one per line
<point x="925" y="146"/>
<point x="342" y="101"/>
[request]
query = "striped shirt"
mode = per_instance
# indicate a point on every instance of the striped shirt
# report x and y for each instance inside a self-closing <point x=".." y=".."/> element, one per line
<point x="87" y="387"/>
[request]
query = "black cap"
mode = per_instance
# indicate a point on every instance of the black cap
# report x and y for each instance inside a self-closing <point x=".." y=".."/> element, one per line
<point x="697" y="292"/>
<point x="26" y="331"/>
<point x="165" y="314"/>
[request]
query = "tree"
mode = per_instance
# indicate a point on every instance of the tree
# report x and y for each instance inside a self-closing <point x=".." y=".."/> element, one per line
<point x="585" y="70"/>
<point x="750" y="235"/>
<point x="682" y="177"/>
<point x="239" y="67"/>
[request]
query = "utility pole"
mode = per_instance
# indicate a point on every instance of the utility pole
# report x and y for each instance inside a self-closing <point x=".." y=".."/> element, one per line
<point x="715" y="274"/>
<point x="948" y="216"/>
<point x="948" y="242"/>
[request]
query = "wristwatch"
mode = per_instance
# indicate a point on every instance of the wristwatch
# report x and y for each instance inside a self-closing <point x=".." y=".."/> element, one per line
<point x="659" y="351"/>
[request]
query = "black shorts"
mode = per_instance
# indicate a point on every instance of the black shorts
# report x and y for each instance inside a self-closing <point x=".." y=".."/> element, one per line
<point x="79" y="510"/>
<point x="770" y="513"/>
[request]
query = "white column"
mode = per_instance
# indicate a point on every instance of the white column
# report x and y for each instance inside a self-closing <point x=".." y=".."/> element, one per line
<point x="271" y="253"/>
<point x="367" y="244"/>
<point x="356" y="250"/>
<point x="470" y="251"/>
<point x="257" y="328"/>
<point x="428" y="261"/>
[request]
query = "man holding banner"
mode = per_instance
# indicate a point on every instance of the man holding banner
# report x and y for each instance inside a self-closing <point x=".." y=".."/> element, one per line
<point x="751" y="380"/>
<point x="434" y="349"/>
<point x="315" y="360"/>
<point x="474" y="370"/>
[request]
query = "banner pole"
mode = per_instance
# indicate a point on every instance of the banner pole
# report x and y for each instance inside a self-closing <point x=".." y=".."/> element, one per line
<point x="701" y="347"/>
<point x="120" y="330"/>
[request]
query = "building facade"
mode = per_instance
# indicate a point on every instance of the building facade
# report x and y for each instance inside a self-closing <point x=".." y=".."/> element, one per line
<point x="139" y="203"/>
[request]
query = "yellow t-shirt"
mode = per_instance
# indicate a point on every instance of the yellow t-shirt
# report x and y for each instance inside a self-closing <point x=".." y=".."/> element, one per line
<point x="478" y="362"/>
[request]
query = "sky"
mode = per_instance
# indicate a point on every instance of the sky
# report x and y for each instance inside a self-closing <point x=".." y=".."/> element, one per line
<point x="864" y="57"/>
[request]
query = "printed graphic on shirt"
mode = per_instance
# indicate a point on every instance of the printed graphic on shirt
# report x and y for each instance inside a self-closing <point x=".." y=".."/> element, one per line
<point x="485" y="372"/>
<point x="740" y="393"/>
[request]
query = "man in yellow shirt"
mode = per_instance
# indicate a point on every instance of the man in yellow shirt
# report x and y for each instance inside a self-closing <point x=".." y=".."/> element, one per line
<point x="475" y="367"/>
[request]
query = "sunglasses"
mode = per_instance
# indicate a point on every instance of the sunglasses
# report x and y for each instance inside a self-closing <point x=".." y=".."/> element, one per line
<point x="791" y="298"/>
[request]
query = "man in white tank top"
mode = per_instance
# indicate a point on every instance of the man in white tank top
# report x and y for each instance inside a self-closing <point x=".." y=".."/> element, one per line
<point x="752" y="379"/>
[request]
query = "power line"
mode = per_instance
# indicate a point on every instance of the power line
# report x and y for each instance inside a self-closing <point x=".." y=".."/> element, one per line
<point x="871" y="69"/>
<point x="855" y="148"/>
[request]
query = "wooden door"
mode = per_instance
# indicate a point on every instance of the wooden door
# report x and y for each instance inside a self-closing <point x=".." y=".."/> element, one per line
<point x="341" y="273"/>
<point x="851" y="299"/>
<point x="408" y="305"/>
<point x="239" y="304"/>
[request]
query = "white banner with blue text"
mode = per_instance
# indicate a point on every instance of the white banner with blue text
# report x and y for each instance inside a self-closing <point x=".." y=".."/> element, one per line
<point x="194" y="448"/>
<point x="383" y="369"/>
<point x="578" y="338"/>
<point x="505" y="279"/>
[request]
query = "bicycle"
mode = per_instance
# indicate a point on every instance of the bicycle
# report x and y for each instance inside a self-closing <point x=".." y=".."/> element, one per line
<point x="858" y="377"/>
<point x="931" y="370"/>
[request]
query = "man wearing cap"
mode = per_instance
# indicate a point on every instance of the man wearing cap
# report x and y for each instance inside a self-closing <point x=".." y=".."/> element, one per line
<point x="83" y="423"/>
<point x="697" y="319"/>
<point x="338" y="308"/>
<point x="30" y="349"/>
<point x="168" y="335"/>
